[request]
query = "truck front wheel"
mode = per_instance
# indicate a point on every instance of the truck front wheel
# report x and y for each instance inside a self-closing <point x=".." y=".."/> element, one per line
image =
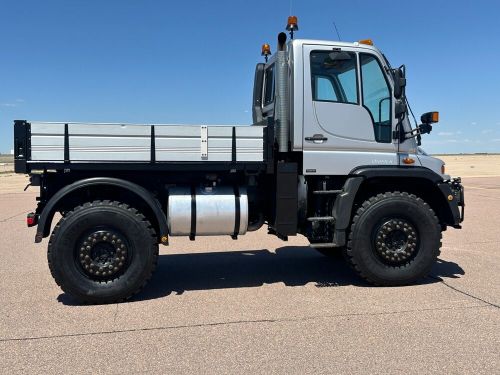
<point x="395" y="239"/>
<point x="102" y="252"/>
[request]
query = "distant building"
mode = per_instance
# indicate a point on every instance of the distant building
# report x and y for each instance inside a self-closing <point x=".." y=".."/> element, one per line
<point x="12" y="152"/>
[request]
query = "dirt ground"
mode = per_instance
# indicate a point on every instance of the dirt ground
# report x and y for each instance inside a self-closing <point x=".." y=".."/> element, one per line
<point x="472" y="165"/>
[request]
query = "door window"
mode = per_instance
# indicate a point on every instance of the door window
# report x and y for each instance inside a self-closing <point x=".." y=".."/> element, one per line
<point x="334" y="77"/>
<point x="376" y="96"/>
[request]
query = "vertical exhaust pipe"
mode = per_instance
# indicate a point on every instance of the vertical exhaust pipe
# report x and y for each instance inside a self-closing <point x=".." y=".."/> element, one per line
<point x="281" y="106"/>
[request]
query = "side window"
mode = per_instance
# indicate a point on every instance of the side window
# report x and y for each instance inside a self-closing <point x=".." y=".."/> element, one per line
<point x="269" y="86"/>
<point x="376" y="96"/>
<point x="334" y="77"/>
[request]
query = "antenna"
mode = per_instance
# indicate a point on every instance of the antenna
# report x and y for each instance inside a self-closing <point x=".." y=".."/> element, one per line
<point x="337" y="30"/>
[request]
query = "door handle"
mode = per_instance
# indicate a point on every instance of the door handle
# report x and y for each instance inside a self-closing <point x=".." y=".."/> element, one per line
<point x="317" y="138"/>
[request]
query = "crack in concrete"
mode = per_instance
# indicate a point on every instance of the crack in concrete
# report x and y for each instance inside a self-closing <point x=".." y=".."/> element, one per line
<point x="11" y="217"/>
<point x="236" y="322"/>
<point x="465" y="293"/>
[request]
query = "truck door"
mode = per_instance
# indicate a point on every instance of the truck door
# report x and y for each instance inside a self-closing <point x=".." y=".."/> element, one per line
<point x="348" y="110"/>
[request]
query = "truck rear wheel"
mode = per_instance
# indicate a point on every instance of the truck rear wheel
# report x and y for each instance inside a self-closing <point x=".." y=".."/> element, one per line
<point x="102" y="252"/>
<point x="395" y="239"/>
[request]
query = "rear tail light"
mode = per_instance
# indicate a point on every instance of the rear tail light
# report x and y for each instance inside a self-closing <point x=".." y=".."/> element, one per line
<point x="31" y="219"/>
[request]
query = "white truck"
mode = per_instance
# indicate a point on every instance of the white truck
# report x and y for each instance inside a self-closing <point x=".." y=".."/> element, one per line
<point x="332" y="155"/>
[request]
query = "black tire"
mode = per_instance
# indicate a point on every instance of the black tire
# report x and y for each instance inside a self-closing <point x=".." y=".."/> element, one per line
<point x="395" y="239"/>
<point x="102" y="252"/>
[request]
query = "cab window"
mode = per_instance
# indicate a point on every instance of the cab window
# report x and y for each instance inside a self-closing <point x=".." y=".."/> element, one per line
<point x="334" y="76"/>
<point x="376" y="95"/>
<point x="269" y="86"/>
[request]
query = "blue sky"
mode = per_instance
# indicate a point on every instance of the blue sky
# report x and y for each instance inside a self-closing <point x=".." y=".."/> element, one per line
<point x="193" y="61"/>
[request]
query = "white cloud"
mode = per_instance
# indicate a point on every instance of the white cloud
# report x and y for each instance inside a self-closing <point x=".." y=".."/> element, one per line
<point x="473" y="123"/>
<point x="13" y="104"/>
<point x="446" y="134"/>
<point x="487" y="131"/>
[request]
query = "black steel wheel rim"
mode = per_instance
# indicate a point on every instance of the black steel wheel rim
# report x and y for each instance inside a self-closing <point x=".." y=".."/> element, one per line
<point x="396" y="241"/>
<point x="103" y="254"/>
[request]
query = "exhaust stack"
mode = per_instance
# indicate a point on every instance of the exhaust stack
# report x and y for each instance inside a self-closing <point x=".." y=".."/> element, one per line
<point x="282" y="110"/>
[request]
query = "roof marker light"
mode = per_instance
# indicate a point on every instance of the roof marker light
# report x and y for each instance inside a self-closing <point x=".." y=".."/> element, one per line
<point x="368" y="42"/>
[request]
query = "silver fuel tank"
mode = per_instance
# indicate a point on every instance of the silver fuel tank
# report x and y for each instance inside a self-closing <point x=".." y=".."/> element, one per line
<point x="209" y="211"/>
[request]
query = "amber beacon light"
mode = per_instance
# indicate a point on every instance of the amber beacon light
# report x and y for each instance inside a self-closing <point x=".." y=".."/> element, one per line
<point x="292" y="25"/>
<point x="266" y="50"/>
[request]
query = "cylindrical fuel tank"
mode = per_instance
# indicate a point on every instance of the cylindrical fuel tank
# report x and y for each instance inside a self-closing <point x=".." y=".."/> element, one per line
<point x="210" y="211"/>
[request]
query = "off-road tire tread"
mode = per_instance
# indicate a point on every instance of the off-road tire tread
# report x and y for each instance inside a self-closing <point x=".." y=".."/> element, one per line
<point x="348" y="254"/>
<point x="140" y="217"/>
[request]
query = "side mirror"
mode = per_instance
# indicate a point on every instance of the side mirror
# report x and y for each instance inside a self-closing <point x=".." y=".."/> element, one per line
<point x="425" y="128"/>
<point x="398" y="75"/>
<point x="430" y="118"/>
<point x="257" y="93"/>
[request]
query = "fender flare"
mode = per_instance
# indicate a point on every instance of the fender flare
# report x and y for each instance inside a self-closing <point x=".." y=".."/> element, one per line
<point x="344" y="202"/>
<point x="46" y="216"/>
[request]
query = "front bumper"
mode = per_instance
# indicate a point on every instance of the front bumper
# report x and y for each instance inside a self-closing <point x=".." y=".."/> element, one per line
<point x="453" y="192"/>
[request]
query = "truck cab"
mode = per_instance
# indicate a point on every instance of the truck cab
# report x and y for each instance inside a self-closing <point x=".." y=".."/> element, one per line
<point x="342" y="108"/>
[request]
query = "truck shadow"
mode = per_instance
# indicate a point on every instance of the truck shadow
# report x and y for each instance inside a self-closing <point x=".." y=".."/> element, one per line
<point x="292" y="266"/>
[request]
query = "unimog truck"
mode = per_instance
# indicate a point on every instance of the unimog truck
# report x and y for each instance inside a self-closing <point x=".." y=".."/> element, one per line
<point x="332" y="155"/>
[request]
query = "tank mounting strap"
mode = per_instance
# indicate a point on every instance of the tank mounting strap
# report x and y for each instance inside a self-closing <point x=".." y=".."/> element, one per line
<point x="192" y="233"/>
<point x="237" y="213"/>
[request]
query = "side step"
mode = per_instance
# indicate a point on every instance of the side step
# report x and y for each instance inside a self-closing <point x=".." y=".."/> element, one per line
<point x="322" y="192"/>
<point x="321" y="218"/>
